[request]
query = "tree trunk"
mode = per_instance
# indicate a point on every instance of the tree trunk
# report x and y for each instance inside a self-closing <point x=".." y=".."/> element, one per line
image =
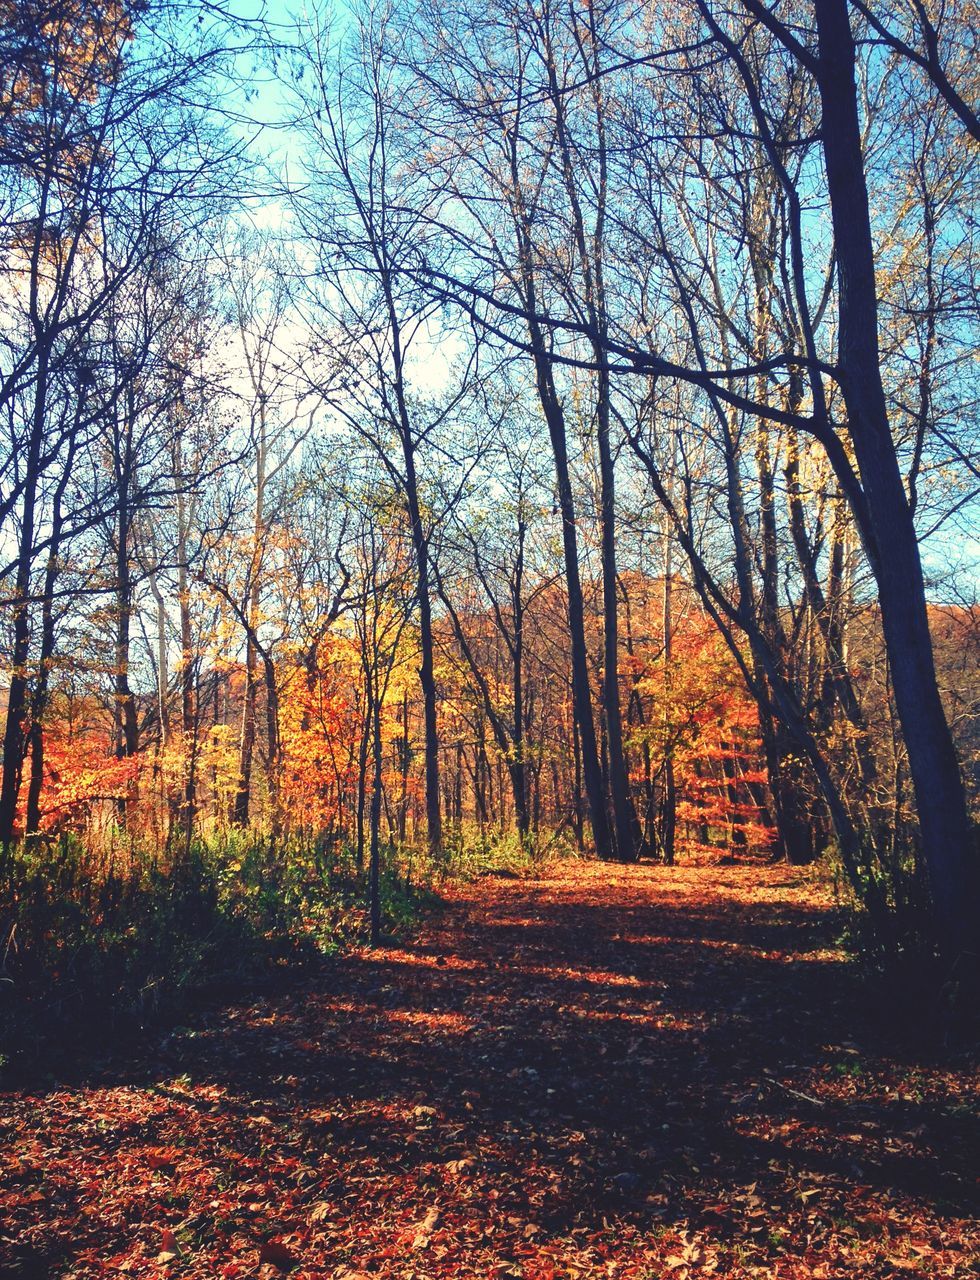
<point x="15" y="730"/>
<point x="163" y="668"/>
<point x="668" y="806"/>
<point x="404" y="760"/>
<point x="246" y="748"/>
<point x="581" y="690"/>
<point x="246" y="743"/>
<point x="188" y="708"/>
<point x="622" y="804"/>
<point x="36" y="782"/>
<point x="272" y="740"/>
<point x="362" y="764"/>
<point x="374" y="873"/>
<point x="127" y="726"/>
<point x="427" y="679"/>
<point x="947" y="837"/>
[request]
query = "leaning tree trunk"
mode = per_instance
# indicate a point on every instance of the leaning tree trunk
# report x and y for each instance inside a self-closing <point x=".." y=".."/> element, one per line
<point x="947" y="837"/>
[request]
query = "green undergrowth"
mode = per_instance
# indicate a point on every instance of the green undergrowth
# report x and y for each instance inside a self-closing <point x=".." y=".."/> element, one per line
<point x="471" y="853"/>
<point x="94" y="941"/>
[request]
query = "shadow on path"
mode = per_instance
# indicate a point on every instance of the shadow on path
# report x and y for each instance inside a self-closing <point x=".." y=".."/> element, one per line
<point x="626" y="1072"/>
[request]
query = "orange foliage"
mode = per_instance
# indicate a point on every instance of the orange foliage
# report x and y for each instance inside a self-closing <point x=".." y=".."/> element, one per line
<point x="705" y="720"/>
<point x="73" y="45"/>
<point x="81" y="772"/>
<point x="318" y="723"/>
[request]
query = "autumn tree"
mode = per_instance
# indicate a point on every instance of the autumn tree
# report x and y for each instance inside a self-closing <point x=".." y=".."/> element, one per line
<point x="363" y="215"/>
<point x="92" y="199"/>
<point x="490" y="570"/>
<point x="780" y="102"/>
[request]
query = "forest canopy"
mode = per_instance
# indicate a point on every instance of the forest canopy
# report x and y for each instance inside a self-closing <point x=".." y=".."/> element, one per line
<point x="437" y="426"/>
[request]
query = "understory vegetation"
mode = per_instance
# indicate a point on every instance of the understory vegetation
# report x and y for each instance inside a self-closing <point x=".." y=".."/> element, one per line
<point x="436" y="441"/>
<point x="603" y="1071"/>
<point x="489" y="638"/>
<point x="97" y="941"/>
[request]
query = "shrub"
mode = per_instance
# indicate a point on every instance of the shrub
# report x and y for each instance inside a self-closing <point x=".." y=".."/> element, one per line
<point x="94" y="938"/>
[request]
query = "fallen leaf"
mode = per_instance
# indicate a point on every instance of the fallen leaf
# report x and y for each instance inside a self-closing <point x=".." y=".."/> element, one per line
<point x="425" y="1229"/>
<point x="169" y="1248"/>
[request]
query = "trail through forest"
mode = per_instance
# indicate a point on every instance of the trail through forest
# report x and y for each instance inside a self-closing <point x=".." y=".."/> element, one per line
<point x="610" y="1072"/>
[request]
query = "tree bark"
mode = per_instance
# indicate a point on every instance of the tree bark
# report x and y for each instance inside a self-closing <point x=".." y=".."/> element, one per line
<point x="15" y="730"/>
<point x="374" y="872"/>
<point x="35" y="784"/>
<point x="427" y="679"/>
<point x="947" y="837"/>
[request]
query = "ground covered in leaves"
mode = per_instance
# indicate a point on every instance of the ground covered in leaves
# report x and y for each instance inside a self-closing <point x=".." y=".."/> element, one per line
<point x="609" y="1072"/>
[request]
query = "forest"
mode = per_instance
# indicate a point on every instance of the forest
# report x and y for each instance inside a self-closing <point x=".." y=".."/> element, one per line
<point x="489" y="607"/>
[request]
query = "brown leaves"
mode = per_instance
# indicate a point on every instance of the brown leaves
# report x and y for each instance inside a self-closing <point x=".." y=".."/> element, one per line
<point x="323" y="1211"/>
<point x="693" y="1257"/>
<point x="426" y="1228"/>
<point x="401" y="1148"/>
<point x="162" y="1157"/>
<point x="169" y="1248"/>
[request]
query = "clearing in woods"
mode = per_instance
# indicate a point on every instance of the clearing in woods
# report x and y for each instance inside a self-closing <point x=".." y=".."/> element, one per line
<point x="611" y="1072"/>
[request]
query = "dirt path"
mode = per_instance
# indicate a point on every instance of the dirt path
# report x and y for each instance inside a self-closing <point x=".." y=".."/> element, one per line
<point x="640" y="1073"/>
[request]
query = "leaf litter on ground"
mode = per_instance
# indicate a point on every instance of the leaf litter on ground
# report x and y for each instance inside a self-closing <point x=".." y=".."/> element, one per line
<point x="608" y="1072"/>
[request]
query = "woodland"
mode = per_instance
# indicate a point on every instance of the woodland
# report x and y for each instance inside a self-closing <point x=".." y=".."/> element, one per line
<point x="489" y="638"/>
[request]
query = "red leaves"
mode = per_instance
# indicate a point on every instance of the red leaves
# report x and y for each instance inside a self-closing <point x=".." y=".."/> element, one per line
<point x="169" y="1248"/>
<point x="612" y="1078"/>
<point x="701" y="715"/>
<point x="162" y="1157"/>
<point x="80" y="771"/>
